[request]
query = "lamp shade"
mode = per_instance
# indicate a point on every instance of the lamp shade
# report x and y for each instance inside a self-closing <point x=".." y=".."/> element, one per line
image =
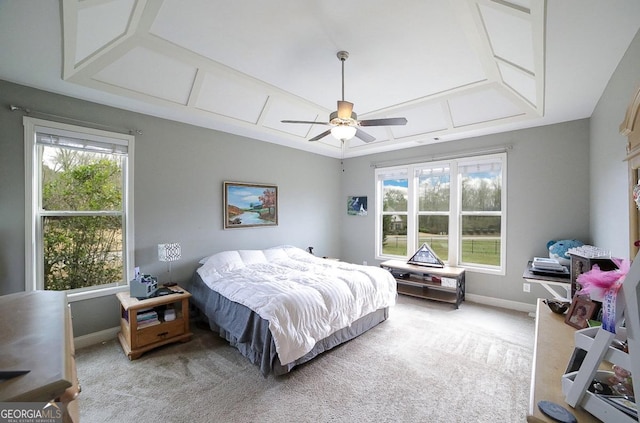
<point x="343" y="132"/>
<point x="169" y="252"/>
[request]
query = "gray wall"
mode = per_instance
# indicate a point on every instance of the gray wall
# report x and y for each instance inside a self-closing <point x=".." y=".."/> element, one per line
<point x="609" y="184"/>
<point x="179" y="170"/>
<point x="547" y="198"/>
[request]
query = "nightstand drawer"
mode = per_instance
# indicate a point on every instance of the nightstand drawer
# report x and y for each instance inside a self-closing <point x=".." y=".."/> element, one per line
<point x="159" y="332"/>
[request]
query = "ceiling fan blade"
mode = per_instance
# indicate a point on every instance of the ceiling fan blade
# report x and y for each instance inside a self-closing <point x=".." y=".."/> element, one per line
<point x="344" y="109"/>
<point x="383" y="122"/>
<point x="364" y="136"/>
<point x="322" y="135"/>
<point x="309" y="122"/>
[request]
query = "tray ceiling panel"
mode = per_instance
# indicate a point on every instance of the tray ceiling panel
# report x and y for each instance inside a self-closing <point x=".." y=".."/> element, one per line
<point x="454" y="69"/>
<point x="242" y="63"/>
<point x="150" y="73"/>
<point x="229" y="34"/>
<point x="100" y="24"/>
<point x="471" y="108"/>
<point x="510" y="34"/>
<point x="232" y="98"/>
<point x="425" y="118"/>
<point x="522" y="83"/>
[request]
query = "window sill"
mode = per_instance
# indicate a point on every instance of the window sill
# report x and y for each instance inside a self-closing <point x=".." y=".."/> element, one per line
<point x="95" y="293"/>
<point x="496" y="272"/>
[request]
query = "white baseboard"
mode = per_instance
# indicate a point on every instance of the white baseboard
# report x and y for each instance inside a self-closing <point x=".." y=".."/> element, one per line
<point x="111" y="333"/>
<point x="96" y="337"/>
<point x="497" y="302"/>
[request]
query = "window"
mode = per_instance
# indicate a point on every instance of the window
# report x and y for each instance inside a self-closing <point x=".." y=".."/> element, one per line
<point x="395" y="201"/>
<point x="456" y="206"/>
<point x="80" y="209"/>
<point x="433" y="197"/>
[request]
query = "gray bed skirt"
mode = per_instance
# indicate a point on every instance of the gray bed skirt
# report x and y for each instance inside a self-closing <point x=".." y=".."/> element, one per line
<point x="249" y="333"/>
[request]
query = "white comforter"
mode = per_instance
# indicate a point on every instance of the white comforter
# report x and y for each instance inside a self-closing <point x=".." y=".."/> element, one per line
<point x="304" y="298"/>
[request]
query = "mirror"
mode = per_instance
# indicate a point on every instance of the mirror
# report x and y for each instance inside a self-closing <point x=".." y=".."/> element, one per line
<point x="630" y="128"/>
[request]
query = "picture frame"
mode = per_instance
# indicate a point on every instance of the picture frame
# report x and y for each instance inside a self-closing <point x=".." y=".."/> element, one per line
<point x="425" y="256"/>
<point x="249" y="205"/>
<point x="581" y="310"/>
<point x="357" y="205"/>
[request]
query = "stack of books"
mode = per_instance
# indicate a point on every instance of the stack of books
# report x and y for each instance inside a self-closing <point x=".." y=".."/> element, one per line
<point x="147" y="318"/>
<point x="548" y="266"/>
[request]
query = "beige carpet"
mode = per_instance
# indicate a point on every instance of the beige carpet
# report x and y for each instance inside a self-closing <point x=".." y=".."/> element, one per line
<point x="427" y="363"/>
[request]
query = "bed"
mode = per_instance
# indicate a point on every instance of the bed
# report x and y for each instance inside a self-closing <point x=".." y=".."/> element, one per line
<point x="282" y="306"/>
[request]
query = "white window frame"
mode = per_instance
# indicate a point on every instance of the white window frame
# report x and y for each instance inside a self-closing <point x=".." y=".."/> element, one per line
<point x="34" y="279"/>
<point x="455" y="211"/>
<point x="399" y="171"/>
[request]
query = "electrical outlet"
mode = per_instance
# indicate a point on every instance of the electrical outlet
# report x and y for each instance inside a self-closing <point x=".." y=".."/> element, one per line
<point x="526" y="287"/>
<point x="364" y="262"/>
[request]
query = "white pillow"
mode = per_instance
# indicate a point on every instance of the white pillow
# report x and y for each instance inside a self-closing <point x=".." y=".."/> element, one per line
<point x="225" y="261"/>
<point x="295" y="252"/>
<point x="275" y="253"/>
<point x="252" y="256"/>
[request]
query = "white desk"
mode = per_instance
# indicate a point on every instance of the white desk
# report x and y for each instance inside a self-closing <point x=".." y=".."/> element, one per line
<point x="551" y="353"/>
<point x="548" y="281"/>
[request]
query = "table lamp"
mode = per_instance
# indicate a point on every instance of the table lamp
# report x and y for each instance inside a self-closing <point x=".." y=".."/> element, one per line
<point x="169" y="253"/>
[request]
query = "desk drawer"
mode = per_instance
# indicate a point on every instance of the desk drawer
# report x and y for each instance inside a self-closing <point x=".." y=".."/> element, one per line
<point x="159" y="332"/>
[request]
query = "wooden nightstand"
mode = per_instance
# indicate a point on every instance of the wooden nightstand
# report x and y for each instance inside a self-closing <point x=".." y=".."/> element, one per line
<point x="137" y="338"/>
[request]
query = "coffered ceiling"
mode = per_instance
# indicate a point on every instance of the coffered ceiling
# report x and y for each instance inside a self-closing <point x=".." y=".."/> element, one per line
<point x="453" y="68"/>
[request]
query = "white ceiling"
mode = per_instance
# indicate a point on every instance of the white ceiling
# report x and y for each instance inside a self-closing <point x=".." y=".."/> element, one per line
<point x="454" y="69"/>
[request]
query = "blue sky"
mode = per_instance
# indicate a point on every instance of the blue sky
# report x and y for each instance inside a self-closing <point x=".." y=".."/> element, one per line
<point x="396" y="183"/>
<point x="242" y="197"/>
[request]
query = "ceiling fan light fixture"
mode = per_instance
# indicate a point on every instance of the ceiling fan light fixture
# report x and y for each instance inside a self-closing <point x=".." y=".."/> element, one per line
<point x="343" y="132"/>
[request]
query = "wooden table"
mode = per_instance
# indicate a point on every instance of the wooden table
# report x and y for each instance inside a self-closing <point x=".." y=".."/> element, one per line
<point x="554" y="345"/>
<point x="36" y="335"/>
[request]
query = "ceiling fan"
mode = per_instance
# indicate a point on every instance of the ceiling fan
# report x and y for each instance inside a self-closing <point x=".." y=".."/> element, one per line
<point x="344" y="122"/>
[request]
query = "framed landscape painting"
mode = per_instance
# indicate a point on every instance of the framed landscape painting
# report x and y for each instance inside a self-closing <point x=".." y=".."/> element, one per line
<point x="250" y="205"/>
